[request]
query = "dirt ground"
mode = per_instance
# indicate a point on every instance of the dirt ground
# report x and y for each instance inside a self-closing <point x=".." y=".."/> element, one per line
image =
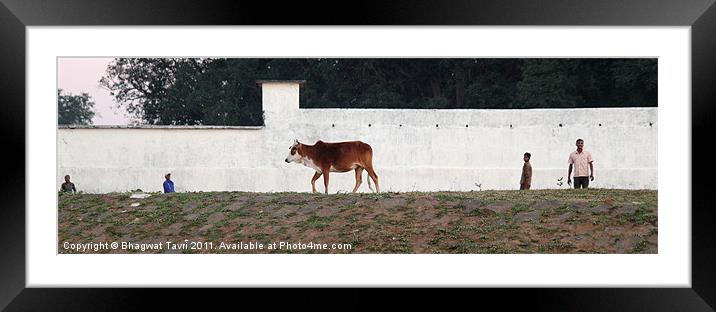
<point x="513" y="222"/>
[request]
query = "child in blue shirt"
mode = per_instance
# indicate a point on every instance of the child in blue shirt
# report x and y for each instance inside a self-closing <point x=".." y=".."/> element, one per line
<point x="168" y="184"/>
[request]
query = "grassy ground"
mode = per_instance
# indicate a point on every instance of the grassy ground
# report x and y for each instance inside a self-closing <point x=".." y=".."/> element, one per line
<point x="535" y="221"/>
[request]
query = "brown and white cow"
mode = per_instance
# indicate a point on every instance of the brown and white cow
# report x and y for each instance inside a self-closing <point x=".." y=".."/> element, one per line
<point x="335" y="157"/>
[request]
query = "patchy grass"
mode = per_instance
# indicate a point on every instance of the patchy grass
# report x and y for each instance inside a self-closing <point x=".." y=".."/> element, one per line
<point x="412" y="222"/>
<point x="315" y="222"/>
<point x="519" y="207"/>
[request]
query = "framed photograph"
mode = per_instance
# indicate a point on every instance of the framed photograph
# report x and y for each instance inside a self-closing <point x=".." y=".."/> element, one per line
<point x="665" y="270"/>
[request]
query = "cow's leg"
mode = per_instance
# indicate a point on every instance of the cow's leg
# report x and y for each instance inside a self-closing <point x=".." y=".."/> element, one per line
<point x="325" y="180"/>
<point x="359" y="178"/>
<point x="313" y="181"/>
<point x="373" y="176"/>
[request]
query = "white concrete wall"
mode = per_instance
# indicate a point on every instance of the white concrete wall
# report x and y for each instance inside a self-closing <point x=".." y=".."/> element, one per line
<point x="411" y="153"/>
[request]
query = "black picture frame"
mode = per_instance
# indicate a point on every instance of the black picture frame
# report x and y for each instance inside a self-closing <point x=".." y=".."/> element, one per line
<point x="15" y="15"/>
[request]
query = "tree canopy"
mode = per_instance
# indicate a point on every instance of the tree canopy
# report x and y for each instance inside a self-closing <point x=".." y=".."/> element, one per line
<point x="74" y="109"/>
<point x="186" y="91"/>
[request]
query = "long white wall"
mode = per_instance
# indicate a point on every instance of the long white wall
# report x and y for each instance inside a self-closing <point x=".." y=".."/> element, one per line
<point x="414" y="150"/>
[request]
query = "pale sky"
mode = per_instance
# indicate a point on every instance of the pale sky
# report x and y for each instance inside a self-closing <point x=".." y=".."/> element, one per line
<point x="82" y="75"/>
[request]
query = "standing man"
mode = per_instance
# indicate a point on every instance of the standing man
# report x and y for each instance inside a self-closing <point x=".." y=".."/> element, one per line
<point x="168" y="184"/>
<point x="583" y="168"/>
<point x="68" y="186"/>
<point x="526" y="179"/>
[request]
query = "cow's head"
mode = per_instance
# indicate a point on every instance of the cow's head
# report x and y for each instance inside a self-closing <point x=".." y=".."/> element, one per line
<point x="294" y="152"/>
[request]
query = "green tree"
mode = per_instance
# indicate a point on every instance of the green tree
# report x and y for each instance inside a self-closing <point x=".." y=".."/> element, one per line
<point x="492" y="83"/>
<point x="227" y="94"/>
<point x="181" y="91"/>
<point x="635" y="82"/>
<point x="74" y="109"/>
<point x="548" y="83"/>
<point x="159" y="91"/>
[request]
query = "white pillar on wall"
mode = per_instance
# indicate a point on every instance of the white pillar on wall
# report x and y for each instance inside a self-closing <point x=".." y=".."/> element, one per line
<point x="280" y="100"/>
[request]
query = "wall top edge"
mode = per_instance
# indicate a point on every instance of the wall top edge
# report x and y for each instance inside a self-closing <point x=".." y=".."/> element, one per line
<point x="462" y="110"/>
<point x="300" y="82"/>
<point x="158" y="127"/>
